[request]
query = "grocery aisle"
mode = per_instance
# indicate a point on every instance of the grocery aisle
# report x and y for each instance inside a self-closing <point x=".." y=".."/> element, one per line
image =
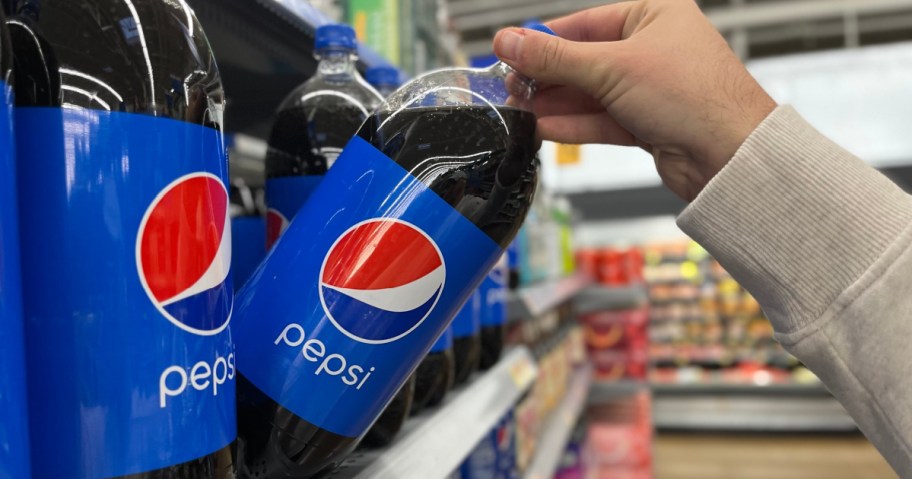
<point x="689" y="456"/>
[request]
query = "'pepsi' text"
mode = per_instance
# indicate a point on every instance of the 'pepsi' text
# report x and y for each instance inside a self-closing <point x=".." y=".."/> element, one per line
<point x="201" y="376"/>
<point x="314" y="350"/>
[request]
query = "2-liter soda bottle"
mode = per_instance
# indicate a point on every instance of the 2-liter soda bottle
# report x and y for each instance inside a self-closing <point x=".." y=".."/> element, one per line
<point x="14" y="444"/>
<point x="123" y="208"/>
<point x="401" y="230"/>
<point x="313" y="124"/>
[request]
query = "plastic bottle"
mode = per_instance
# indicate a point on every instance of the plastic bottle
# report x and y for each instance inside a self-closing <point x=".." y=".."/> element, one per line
<point x="123" y="200"/>
<point x="14" y="444"/>
<point x="313" y="124"/>
<point x="386" y="80"/>
<point x="393" y="241"/>
<point x="383" y="78"/>
<point x="467" y="338"/>
<point x="493" y="313"/>
<point x="248" y="232"/>
<point x="436" y="374"/>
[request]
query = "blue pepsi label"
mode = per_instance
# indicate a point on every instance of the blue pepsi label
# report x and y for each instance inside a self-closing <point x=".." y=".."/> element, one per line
<point x="131" y="361"/>
<point x="360" y="286"/>
<point x="468" y="320"/>
<point x="494" y="295"/>
<point x="248" y="247"/>
<point x="444" y="342"/>
<point x="14" y="451"/>
<point x="284" y="197"/>
<point x="513" y="254"/>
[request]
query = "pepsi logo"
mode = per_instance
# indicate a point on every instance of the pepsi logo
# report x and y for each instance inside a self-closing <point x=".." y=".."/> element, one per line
<point x="276" y="224"/>
<point x="183" y="253"/>
<point x="381" y="279"/>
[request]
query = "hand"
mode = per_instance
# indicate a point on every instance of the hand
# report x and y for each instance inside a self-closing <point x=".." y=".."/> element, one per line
<point x="649" y="73"/>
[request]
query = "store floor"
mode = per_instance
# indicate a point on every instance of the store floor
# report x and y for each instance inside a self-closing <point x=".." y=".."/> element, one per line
<point x="690" y="456"/>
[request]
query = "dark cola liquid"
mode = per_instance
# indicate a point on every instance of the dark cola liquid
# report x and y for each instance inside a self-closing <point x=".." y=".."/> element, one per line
<point x="307" y="137"/>
<point x="390" y="422"/>
<point x="467" y="354"/>
<point x="479" y="160"/>
<point x="492" y="340"/>
<point x="433" y="379"/>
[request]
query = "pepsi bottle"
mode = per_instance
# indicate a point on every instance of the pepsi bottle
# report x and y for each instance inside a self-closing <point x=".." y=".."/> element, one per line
<point x="467" y="338"/>
<point x="393" y="241"/>
<point x="493" y="313"/>
<point x="436" y="374"/>
<point x="123" y="201"/>
<point x="248" y="231"/>
<point x="14" y="445"/>
<point x="386" y="80"/>
<point x="313" y="124"/>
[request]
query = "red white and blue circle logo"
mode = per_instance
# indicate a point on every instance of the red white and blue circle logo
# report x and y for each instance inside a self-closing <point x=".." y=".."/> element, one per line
<point x="276" y="224"/>
<point x="381" y="279"/>
<point x="183" y="254"/>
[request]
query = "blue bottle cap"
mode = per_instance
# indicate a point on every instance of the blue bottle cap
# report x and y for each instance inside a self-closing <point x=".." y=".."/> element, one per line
<point x="382" y="75"/>
<point x="539" y="27"/>
<point x="335" y="36"/>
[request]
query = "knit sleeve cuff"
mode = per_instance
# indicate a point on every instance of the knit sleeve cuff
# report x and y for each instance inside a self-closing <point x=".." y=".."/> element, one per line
<point x="795" y="218"/>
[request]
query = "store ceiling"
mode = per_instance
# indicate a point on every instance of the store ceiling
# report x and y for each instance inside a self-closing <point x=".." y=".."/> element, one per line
<point x="755" y="28"/>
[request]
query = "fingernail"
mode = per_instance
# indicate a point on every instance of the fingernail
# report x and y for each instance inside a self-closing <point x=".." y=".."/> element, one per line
<point x="510" y="45"/>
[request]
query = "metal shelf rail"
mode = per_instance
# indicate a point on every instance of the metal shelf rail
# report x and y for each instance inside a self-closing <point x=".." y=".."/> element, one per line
<point x="531" y="301"/>
<point x="773" y="408"/>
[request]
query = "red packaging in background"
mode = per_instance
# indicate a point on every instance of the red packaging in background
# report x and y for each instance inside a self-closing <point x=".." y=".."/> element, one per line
<point x="619" y="440"/>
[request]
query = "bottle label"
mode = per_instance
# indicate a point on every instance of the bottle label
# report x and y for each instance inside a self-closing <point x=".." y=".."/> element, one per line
<point x="284" y="197"/>
<point x="468" y="320"/>
<point x="14" y="452"/>
<point x="126" y="287"/>
<point x="364" y="281"/>
<point x="248" y="247"/>
<point x="494" y="293"/>
<point x="444" y="342"/>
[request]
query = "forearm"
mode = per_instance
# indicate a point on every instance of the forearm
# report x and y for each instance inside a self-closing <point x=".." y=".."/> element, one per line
<point x="822" y="241"/>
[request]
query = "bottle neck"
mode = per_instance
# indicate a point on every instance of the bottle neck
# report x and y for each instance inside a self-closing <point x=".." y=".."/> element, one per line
<point x="336" y="64"/>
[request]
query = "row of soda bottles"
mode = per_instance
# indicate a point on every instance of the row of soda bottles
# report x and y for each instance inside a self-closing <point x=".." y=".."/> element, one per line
<point x="124" y="351"/>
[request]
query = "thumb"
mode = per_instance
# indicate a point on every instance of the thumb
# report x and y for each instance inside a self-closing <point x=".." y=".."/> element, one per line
<point x="550" y="59"/>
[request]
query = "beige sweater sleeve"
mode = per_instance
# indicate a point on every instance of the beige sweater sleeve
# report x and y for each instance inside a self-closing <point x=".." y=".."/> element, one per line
<point x="822" y="240"/>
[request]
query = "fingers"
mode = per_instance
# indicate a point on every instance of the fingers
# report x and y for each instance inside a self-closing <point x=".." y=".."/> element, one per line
<point x="563" y="100"/>
<point x="550" y="59"/>
<point x="599" y="24"/>
<point x="584" y="128"/>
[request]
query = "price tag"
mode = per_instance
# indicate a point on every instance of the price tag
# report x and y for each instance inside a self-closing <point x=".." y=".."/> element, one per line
<point x="522" y="372"/>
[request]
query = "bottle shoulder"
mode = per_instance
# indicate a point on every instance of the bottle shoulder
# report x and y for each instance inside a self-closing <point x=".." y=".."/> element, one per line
<point x="140" y="57"/>
<point x="320" y="92"/>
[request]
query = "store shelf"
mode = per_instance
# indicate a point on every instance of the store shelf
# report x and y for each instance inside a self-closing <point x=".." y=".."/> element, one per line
<point x="603" y="392"/>
<point x="436" y="442"/>
<point x="557" y="428"/>
<point x="531" y="301"/>
<point x="775" y="390"/>
<point x="602" y="298"/>
<point x="306" y="17"/>
<point x="264" y="50"/>
<point x="773" y="408"/>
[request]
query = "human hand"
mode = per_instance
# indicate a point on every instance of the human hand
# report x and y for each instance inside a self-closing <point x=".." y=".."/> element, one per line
<point x="649" y="73"/>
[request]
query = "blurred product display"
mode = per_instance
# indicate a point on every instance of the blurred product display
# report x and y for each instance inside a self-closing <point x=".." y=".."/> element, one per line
<point x="705" y="327"/>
